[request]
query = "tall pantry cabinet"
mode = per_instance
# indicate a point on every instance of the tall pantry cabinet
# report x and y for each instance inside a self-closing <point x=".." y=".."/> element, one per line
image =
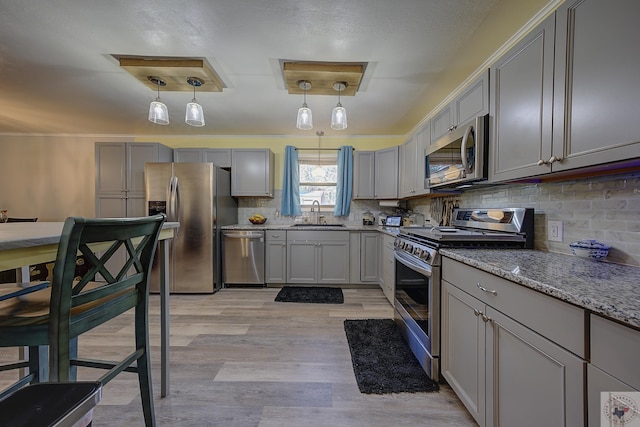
<point x="120" y="176"/>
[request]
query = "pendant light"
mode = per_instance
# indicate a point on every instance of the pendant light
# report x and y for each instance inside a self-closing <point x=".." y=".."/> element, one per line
<point x="339" y="114"/>
<point x="305" y="119"/>
<point x="158" y="112"/>
<point x="318" y="172"/>
<point x="194" y="115"/>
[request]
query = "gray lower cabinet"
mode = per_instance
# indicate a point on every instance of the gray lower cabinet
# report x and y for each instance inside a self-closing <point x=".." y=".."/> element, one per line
<point x="615" y="350"/>
<point x="505" y="368"/>
<point x="387" y="267"/>
<point x="275" y="256"/>
<point x="369" y="256"/>
<point x="318" y="257"/>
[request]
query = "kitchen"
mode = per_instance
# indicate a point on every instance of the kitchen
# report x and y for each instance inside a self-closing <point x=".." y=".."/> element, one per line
<point x="599" y="207"/>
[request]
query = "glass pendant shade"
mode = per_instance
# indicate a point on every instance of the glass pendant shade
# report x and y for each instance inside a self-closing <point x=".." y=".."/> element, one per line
<point x="305" y="119"/>
<point x="194" y="115"/>
<point x="317" y="172"/>
<point x="158" y="112"/>
<point x="339" y="117"/>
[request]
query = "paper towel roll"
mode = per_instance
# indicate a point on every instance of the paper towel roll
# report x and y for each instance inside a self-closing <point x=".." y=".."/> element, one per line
<point x="390" y="203"/>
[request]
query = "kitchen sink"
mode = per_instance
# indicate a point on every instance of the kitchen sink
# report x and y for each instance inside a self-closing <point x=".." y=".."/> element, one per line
<point x="306" y="224"/>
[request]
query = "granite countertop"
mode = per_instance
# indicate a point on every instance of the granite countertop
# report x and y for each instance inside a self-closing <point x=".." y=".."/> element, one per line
<point x="612" y="290"/>
<point x="267" y="226"/>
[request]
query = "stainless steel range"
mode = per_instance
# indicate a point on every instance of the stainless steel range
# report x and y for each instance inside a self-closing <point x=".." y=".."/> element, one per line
<point x="417" y="269"/>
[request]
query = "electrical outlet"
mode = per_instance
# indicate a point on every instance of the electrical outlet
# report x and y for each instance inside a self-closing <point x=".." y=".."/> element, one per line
<point x="554" y="231"/>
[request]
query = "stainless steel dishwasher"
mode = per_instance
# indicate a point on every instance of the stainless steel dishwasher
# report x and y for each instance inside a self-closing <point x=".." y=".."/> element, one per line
<point x="243" y="257"/>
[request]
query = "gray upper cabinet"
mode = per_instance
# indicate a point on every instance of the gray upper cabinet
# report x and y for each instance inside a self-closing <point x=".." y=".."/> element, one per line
<point x="218" y="156"/>
<point x="566" y="96"/>
<point x="386" y="173"/>
<point x="363" y="174"/>
<point x="522" y="97"/>
<point x="120" y="176"/>
<point x="252" y="172"/>
<point x="376" y="174"/>
<point x="412" y="163"/>
<point x="472" y="102"/>
<point x="597" y="83"/>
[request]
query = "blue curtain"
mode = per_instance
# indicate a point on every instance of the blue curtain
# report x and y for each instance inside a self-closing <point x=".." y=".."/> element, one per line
<point x="345" y="181"/>
<point x="291" y="183"/>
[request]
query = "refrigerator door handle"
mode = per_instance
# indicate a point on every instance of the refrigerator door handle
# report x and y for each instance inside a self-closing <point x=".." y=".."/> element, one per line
<point x="173" y="201"/>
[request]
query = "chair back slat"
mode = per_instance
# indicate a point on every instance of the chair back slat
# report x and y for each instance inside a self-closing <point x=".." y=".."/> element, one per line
<point x="105" y="290"/>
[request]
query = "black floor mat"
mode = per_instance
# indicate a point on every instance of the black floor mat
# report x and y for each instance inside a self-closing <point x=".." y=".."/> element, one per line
<point x="382" y="360"/>
<point x="317" y="295"/>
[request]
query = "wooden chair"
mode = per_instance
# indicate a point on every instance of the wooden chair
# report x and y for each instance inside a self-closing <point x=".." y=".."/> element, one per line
<point x="70" y="307"/>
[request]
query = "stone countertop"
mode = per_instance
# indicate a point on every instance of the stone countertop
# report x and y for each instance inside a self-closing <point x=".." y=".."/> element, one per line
<point x="612" y="290"/>
<point x="266" y="226"/>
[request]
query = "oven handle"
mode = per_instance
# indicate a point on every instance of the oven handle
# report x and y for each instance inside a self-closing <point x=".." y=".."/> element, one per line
<point x="405" y="260"/>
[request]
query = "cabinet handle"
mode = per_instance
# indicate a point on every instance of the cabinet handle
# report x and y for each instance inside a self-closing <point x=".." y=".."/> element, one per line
<point x="483" y="289"/>
<point x="554" y="159"/>
<point x="477" y="312"/>
<point x="486" y="318"/>
<point x="275" y="236"/>
<point x="542" y="162"/>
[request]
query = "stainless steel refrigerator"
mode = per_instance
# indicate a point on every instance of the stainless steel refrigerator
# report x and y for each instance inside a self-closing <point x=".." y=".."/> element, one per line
<point x="198" y="196"/>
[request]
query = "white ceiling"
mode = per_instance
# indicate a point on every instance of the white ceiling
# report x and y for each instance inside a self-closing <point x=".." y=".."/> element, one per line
<point x="57" y="73"/>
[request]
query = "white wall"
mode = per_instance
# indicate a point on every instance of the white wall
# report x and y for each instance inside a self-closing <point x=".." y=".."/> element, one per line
<point x="49" y="177"/>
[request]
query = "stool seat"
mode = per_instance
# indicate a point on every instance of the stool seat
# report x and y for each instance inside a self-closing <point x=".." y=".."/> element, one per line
<point x="51" y="404"/>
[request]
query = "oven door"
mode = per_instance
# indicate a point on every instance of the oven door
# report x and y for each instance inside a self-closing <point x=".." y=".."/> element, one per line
<point x="417" y="309"/>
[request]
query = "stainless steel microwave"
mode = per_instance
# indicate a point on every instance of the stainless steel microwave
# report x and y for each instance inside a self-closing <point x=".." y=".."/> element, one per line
<point x="460" y="156"/>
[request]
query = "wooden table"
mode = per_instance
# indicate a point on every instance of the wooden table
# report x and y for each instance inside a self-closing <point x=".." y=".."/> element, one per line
<point x="27" y="243"/>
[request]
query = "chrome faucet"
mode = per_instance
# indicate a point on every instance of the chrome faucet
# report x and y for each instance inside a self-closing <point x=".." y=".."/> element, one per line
<point x="317" y="213"/>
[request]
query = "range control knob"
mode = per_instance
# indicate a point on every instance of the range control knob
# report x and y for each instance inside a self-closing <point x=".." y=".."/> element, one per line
<point x="408" y="247"/>
<point x="425" y="255"/>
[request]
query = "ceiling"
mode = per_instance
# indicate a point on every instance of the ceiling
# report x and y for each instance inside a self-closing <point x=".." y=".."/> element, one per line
<point x="59" y="73"/>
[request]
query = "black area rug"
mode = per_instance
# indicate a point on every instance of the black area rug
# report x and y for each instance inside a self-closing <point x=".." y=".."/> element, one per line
<point x="382" y="360"/>
<point x="317" y="295"/>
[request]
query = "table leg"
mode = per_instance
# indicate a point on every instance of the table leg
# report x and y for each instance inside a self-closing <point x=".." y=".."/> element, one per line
<point x="163" y="246"/>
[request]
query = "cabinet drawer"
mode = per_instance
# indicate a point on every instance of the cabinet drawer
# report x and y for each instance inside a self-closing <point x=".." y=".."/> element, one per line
<point x="616" y="349"/>
<point x="319" y="235"/>
<point x="558" y="321"/>
<point x="387" y="241"/>
<point x="275" y="235"/>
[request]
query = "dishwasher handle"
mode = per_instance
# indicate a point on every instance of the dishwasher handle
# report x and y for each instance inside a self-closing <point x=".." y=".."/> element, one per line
<point x="243" y="235"/>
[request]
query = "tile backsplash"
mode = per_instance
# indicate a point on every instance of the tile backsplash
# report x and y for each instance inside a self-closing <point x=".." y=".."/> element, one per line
<point x="605" y="208"/>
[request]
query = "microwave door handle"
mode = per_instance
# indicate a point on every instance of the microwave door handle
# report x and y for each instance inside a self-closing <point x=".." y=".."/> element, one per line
<point x="463" y="148"/>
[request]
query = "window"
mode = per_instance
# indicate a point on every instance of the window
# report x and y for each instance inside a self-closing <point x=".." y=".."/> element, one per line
<point x="318" y="177"/>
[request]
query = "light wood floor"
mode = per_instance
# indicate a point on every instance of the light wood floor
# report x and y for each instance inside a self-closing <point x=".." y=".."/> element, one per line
<point x="240" y="359"/>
